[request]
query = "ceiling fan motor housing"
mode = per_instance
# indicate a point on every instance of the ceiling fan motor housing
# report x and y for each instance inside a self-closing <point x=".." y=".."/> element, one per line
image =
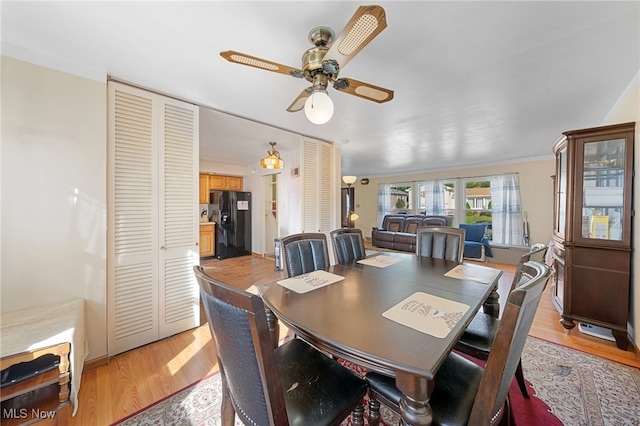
<point x="312" y="61"/>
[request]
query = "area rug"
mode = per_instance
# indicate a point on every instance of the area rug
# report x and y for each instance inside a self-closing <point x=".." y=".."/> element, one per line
<point x="571" y="388"/>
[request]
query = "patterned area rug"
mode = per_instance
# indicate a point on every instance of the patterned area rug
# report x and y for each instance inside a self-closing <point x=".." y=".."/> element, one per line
<point x="580" y="389"/>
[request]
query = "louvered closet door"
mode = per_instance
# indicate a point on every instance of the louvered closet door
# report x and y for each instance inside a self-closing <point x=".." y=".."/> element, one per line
<point x="179" y="295"/>
<point x="317" y="187"/>
<point x="151" y="238"/>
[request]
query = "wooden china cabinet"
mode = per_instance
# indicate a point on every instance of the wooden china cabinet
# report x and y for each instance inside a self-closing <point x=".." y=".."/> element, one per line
<point x="592" y="227"/>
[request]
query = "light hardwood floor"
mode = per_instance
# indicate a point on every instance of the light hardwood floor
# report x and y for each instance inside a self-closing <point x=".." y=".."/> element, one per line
<point x="142" y="376"/>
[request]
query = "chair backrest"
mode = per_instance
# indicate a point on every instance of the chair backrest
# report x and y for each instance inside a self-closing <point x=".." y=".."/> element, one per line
<point x="436" y="221"/>
<point x="348" y="244"/>
<point x="440" y="242"/>
<point x="304" y="253"/>
<point x="508" y="344"/>
<point x="538" y="252"/>
<point x="536" y="255"/>
<point x="475" y="232"/>
<point x="245" y="351"/>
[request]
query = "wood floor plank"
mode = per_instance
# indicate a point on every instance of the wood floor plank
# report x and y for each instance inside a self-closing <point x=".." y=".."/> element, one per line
<point x="140" y="377"/>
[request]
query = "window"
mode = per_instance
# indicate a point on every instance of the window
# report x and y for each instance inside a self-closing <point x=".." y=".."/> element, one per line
<point x="401" y="198"/>
<point x="477" y="196"/>
<point x="467" y="200"/>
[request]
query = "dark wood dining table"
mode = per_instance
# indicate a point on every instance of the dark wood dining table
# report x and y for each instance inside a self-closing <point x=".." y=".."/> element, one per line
<point x="345" y="319"/>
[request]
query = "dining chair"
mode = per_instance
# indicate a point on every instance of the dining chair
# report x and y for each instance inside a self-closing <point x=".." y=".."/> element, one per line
<point x="538" y="252"/>
<point x="479" y="335"/>
<point x="440" y="242"/>
<point x="464" y="392"/>
<point x="291" y="384"/>
<point x="303" y="253"/>
<point x="348" y="244"/>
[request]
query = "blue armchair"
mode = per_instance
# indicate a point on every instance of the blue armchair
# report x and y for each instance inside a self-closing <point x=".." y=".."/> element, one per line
<point x="476" y="242"/>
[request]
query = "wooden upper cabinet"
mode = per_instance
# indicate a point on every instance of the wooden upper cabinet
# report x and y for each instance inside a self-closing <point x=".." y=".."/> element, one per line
<point x="225" y="183"/>
<point x="218" y="182"/>
<point x="204" y="189"/>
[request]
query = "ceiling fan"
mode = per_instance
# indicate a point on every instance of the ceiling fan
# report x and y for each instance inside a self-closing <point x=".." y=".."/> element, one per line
<point x="322" y="63"/>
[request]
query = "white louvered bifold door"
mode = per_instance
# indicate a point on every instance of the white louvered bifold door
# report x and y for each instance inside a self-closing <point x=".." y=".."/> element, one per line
<point x="138" y="247"/>
<point x="317" y="186"/>
<point x="179" y="294"/>
<point x="310" y="187"/>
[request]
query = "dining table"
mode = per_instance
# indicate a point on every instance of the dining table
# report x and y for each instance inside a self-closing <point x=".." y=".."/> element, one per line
<point x="394" y="313"/>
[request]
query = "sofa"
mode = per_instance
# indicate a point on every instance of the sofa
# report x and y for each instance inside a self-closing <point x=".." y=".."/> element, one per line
<point x="398" y="231"/>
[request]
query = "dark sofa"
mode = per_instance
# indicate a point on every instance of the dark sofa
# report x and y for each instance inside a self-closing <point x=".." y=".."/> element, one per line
<point x="398" y="231"/>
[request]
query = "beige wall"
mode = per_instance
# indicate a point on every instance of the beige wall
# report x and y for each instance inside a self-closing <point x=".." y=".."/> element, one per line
<point x="53" y="212"/>
<point x="628" y="109"/>
<point x="53" y="192"/>
<point x="536" y="191"/>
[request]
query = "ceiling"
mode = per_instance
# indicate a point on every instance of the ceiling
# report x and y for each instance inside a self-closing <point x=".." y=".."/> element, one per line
<point x="476" y="83"/>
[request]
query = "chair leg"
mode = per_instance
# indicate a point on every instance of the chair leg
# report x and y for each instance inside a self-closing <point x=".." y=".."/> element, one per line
<point x="507" y="418"/>
<point x="357" y="415"/>
<point x="228" y="412"/>
<point x="374" y="409"/>
<point x="520" y="380"/>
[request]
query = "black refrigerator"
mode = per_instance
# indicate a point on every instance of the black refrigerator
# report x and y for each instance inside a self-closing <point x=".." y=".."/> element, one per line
<point x="231" y="210"/>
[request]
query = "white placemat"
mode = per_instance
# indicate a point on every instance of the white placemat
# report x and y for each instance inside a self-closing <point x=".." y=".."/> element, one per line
<point x="427" y="313"/>
<point x="467" y="271"/>
<point x="311" y="281"/>
<point x="380" y="261"/>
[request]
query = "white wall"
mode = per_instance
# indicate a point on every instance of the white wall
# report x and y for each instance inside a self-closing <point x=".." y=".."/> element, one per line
<point x="53" y="169"/>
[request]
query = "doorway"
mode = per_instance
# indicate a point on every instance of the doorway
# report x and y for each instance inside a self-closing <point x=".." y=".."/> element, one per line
<point x="270" y="183"/>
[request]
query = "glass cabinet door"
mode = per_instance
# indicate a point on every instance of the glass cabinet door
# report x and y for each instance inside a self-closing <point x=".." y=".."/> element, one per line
<point x="562" y="191"/>
<point x="603" y="180"/>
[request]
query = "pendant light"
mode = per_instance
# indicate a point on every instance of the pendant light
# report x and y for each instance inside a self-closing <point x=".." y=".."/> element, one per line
<point x="273" y="160"/>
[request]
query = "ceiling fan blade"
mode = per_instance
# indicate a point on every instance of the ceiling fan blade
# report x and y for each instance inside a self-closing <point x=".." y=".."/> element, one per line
<point x="299" y="101"/>
<point x="364" y="90"/>
<point x="364" y="26"/>
<point x="252" y="61"/>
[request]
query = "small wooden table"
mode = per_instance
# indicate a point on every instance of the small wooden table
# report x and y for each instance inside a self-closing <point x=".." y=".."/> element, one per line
<point x="345" y="319"/>
<point x="27" y="334"/>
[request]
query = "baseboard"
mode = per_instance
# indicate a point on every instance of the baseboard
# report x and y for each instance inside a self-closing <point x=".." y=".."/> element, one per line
<point x="94" y="363"/>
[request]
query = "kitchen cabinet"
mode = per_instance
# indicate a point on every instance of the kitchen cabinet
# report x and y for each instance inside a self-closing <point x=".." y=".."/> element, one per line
<point x="203" y="186"/>
<point x="225" y="183"/>
<point x="209" y="182"/>
<point x="592" y="239"/>
<point x="207" y="239"/>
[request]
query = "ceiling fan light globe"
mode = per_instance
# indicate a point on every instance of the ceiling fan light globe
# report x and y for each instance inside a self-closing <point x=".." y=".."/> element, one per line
<point x="318" y="107"/>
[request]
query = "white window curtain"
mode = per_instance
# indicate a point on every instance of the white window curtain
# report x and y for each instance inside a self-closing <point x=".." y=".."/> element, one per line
<point x="434" y="197"/>
<point x="384" y="201"/>
<point x="506" y="210"/>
